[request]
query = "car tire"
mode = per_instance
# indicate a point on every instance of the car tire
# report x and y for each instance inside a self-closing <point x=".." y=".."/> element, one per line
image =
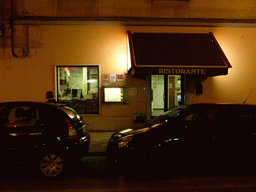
<point x="52" y="165"/>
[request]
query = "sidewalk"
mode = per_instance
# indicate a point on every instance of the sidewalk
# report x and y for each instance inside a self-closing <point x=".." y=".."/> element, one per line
<point x="99" y="141"/>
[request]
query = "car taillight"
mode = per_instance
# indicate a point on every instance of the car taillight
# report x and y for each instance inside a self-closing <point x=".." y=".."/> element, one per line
<point x="71" y="130"/>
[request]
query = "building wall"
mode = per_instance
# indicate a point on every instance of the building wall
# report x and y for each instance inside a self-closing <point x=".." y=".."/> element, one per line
<point x="234" y="9"/>
<point x="239" y="45"/>
<point x="28" y="78"/>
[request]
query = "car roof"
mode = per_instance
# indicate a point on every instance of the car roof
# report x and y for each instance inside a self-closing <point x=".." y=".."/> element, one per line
<point x="223" y="104"/>
<point x="231" y="105"/>
<point x="42" y="104"/>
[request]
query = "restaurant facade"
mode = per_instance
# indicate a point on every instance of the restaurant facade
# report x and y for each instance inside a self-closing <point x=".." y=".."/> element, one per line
<point x="110" y="68"/>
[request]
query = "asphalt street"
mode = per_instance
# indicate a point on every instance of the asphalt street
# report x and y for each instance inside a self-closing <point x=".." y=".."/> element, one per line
<point x="96" y="175"/>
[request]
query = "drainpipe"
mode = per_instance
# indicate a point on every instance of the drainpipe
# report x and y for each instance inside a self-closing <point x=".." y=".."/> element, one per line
<point x="11" y="23"/>
<point x="12" y="28"/>
<point x="26" y="48"/>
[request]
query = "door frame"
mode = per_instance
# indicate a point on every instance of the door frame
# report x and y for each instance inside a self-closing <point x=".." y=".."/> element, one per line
<point x="149" y="98"/>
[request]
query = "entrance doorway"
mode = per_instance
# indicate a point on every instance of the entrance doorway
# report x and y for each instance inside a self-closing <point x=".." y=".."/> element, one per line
<point x="166" y="93"/>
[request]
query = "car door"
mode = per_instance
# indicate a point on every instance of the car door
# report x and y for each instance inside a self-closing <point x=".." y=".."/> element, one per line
<point x="237" y="141"/>
<point x="21" y="132"/>
<point x="195" y="142"/>
<point x="176" y="146"/>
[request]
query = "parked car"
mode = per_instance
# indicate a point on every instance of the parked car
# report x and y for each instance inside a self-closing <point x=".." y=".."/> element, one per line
<point x="49" y="137"/>
<point x="190" y="138"/>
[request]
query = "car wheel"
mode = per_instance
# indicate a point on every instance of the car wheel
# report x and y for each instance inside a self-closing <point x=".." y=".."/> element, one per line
<point x="51" y="165"/>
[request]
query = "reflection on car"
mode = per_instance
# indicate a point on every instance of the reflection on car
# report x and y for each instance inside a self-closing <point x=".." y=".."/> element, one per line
<point x="190" y="138"/>
<point x="49" y="137"/>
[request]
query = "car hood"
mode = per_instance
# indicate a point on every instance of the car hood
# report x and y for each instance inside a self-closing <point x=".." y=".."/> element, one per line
<point x="134" y="130"/>
<point x="138" y="128"/>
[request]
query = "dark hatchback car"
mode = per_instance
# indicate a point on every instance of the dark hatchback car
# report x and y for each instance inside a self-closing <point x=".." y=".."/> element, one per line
<point x="49" y="137"/>
<point x="190" y="139"/>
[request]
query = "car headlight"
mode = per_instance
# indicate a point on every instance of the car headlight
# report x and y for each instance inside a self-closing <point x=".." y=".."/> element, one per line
<point x="124" y="141"/>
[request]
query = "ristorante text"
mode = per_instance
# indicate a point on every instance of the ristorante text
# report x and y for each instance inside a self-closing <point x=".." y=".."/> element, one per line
<point x="181" y="71"/>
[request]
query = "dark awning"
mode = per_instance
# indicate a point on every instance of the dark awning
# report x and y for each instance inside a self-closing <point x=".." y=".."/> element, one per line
<point x="176" y="54"/>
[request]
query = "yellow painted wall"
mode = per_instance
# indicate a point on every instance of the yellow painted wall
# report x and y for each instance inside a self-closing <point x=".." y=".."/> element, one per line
<point x="29" y="78"/>
<point x="239" y="46"/>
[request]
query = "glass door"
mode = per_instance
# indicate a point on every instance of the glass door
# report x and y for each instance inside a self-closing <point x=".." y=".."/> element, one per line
<point x="157" y="101"/>
<point x="166" y="93"/>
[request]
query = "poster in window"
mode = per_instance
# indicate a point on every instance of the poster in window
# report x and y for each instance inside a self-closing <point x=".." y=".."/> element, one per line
<point x="161" y="80"/>
<point x="112" y="78"/>
<point x="120" y="77"/>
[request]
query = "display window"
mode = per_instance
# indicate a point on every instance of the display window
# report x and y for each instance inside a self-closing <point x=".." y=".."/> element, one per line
<point x="78" y="87"/>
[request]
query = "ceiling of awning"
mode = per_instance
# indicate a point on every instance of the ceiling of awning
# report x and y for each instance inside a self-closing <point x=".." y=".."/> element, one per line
<point x="177" y="54"/>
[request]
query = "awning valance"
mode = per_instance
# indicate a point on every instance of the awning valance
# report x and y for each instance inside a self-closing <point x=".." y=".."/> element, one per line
<point x="176" y="54"/>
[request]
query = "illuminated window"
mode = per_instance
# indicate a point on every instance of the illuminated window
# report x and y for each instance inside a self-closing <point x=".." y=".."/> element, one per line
<point x="20" y="116"/>
<point x="78" y="87"/>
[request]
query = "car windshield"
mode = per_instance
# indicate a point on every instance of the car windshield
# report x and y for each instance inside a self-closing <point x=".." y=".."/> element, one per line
<point x="174" y="112"/>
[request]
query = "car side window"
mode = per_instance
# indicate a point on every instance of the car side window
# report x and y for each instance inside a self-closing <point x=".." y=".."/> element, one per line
<point x="22" y="116"/>
<point x="189" y="119"/>
<point x="198" y="123"/>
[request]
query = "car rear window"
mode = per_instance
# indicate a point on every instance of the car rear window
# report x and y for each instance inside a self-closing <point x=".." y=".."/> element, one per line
<point x="69" y="111"/>
<point x="76" y="118"/>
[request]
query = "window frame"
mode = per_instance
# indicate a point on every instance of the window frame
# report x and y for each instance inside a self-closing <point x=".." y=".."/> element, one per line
<point x="96" y="102"/>
<point x="15" y="123"/>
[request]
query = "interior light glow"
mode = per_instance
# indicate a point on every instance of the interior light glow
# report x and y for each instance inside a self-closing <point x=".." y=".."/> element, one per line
<point x="129" y="64"/>
<point x="113" y="95"/>
<point x="91" y="81"/>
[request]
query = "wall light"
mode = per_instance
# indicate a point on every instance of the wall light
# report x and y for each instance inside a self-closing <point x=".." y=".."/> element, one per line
<point x="129" y="63"/>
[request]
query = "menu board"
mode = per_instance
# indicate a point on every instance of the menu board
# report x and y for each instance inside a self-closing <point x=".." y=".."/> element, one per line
<point x="113" y="94"/>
